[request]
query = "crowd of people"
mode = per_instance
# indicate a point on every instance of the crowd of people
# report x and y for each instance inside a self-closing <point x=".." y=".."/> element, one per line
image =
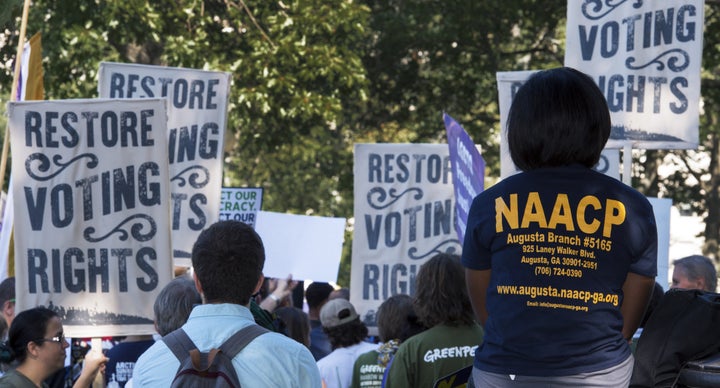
<point x="457" y="329"/>
<point x="344" y="355"/>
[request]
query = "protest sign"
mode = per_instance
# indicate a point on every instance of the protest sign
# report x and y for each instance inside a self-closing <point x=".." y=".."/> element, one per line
<point x="645" y="57"/>
<point x="92" y="235"/>
<point x="508" y="84"/>
<point x="404" y="215"/>
<point x="241" y="204"/>
<point x="468" y="170"/>
<point x="7" y="264"/>
<point x="30" y="86"/>
<point x="661" y="209"/>
<point x="197" y="112"/>
<point x="306" y="247"/>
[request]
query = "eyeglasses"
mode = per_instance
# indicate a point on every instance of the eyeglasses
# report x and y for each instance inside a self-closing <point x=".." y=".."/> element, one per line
<point x="57" y="339"/>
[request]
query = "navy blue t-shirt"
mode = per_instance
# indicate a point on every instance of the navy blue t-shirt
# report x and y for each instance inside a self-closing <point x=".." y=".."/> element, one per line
<point x="319" y="342"/>
<point x="559" y="243"/>
<point x="122" y="358"/>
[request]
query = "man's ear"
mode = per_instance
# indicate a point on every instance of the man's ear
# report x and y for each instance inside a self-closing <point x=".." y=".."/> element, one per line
<point x="259" y="284"/>
<point x="198" y="286"/>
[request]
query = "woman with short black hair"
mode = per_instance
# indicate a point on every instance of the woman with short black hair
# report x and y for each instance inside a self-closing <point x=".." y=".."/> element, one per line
<point x="560" y="259"/>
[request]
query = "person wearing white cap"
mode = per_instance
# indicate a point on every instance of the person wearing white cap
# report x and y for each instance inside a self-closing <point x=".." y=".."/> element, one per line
<point x="342" y="324"/>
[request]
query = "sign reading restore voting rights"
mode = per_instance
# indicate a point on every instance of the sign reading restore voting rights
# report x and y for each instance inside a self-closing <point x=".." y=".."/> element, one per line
<point x="92" y="234"/>
<point x="404" y="215"/>
<point x="645" y="57"/>
<point x="197" y="113"/>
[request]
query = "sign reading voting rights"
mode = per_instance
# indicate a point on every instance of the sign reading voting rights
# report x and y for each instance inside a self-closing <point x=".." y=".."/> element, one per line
<point x="197" y="112"/>
<point x="645" y="57"/>
<point x="404" y="215"/>
<point x="92" y="234"/>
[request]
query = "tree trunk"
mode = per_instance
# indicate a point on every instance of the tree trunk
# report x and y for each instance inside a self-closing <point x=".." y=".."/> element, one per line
<point x="712" y="188"/>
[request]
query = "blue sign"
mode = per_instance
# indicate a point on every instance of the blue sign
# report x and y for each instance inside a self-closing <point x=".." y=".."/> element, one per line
<point x="468" y="170"/>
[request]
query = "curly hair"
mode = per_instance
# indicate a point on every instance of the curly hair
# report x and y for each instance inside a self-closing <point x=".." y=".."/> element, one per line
<point x="347" y="334"/>
<point x="441" y="296"/>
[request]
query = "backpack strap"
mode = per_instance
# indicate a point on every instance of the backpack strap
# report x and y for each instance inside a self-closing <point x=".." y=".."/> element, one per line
<point x="179" y="343"/>
<point x="237" y="342"/>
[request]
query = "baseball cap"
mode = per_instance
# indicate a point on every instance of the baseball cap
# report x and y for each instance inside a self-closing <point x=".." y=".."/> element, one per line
<point x="337" y="312"/>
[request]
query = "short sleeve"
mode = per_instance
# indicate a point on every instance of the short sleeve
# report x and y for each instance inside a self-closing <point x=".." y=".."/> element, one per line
<point x="645" y="263"/>
<point x="476" y="252"/>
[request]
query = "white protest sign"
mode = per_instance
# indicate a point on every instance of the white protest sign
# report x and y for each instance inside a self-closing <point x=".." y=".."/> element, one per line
<point x="645" y="57"/>
<point x="404" y="215"/>
<point x="197" y="113"/>
<point x="6" y="231"/>
<point x="508" y="84"/>
<point x="92" y="234"/>
<point x="241" y="204"/>
<point x="306" y="247"/>
<point x="661" y="209"/>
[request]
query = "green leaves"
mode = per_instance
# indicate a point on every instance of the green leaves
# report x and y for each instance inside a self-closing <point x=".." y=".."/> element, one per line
<point x="313" y="77"/>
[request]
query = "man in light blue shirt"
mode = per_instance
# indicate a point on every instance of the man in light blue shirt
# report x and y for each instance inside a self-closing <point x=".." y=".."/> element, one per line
<point x="227" y="260"/>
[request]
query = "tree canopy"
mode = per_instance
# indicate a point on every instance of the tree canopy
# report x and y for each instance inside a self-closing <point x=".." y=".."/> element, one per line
<point x="310" y="78"/>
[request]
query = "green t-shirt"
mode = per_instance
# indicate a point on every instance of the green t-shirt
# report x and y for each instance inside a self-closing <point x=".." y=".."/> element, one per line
<point x="435" y="353"/>
<point x="16" y="379"/>
<point x="367" y="373"/>
<point x="369" y="369"/>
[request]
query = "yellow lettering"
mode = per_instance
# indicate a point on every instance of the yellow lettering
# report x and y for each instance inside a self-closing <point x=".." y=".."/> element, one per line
<point x="502" y="211"/>
<point x="594" y="225"/>
<point x="449" y="383"/>
<point x="562" y="214"/>
<point x="614" y="215"/>
<point x="534" y="211"/>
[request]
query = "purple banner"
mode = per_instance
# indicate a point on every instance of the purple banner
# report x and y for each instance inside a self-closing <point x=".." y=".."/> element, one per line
<point x="468" y="171"/>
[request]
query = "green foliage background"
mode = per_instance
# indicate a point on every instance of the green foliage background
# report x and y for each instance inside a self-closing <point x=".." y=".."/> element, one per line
<point x="313" y="77"/>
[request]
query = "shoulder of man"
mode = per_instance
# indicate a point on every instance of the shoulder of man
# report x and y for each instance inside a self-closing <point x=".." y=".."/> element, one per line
<point x="276" y="345"/>
<point x="273" y="359"/>
<point x="156" y="364"/>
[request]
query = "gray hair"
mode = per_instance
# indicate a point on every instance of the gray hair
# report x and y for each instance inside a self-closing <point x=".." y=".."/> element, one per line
<point x="174" y="304"/>
<point x="699" y="267"/>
